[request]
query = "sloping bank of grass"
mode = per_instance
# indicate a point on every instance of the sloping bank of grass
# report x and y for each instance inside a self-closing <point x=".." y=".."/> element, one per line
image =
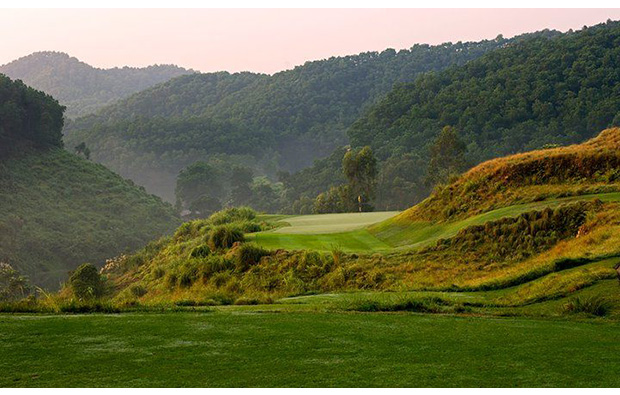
<point x="305" y="349"/>
<point x="325" y="232"/>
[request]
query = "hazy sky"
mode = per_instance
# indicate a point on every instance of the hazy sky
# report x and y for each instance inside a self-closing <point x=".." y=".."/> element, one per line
<point x="264" y="40"/>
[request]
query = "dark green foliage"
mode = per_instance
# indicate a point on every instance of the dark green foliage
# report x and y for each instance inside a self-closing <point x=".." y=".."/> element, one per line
<point x="88" y="306"/>
<point x="224" y="236"/>
<point x="360" y="169"/>
<point x="233" y="214"/>
<point x="86" y="282"/>
<point x="52" y="197"/>
<point x="248" y="255"/>
<point x="83" y="88"/>
<point x="447" y="157"/>
<point x="519" y="237"/>
<point x="419" y="305"/>
<point x="200" y="252"/>
<point x="199" y="186"/>
<point x="593" y="305"/>
<point x="27" y="116"/>
<point x="82" y="149"/>
<point x="138" y="290"/>
<point x="337" y="200"/>
<point x="533" y="92"/>
<point x="283" y="121"/>
<point x="13" y="286"/>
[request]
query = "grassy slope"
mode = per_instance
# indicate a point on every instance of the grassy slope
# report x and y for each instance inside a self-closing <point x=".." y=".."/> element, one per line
<point x="324" y="232"/>
<point x="59" y="211"/>
<point x="305" y="349"/>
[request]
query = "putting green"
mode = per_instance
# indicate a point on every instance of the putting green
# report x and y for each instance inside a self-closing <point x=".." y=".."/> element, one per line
<point x="332" y="223"/>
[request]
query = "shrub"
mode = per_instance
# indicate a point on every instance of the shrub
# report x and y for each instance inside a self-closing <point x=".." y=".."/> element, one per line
<point x="224" y="236"/>
<point x="593" y="305"/>
<point x="86" y="283"/>
<point x="138" y="290"/>
<point x="82" y="307"/>
<point x="187" y="278"/>
<point x="234" y="214"/>
<point x="201" y="251"/>
<point x="171" y="280"/>
<point x="248" y="255"/>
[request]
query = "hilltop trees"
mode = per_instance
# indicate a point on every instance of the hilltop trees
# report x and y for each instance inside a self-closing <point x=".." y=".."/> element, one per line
<point x="28" y="115"/>
<point x="281" y="122"/>
<point x="543" y="90"/>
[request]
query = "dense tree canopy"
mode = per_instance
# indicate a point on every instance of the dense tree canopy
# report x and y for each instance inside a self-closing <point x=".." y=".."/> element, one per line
<point x="283" y="122"/>
<point x="28" y="115"/>
<point x="533" y="92"/>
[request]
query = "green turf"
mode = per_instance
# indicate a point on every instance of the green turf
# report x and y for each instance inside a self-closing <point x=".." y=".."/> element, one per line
<point x="328" y="231"/>
<point x="332" y="223"/>
<point x="355" y="241"/>
<point x="305" y="349"/>
<point x="418" y="234"/>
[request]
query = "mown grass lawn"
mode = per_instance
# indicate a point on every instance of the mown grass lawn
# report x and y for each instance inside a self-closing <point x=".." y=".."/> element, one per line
<point x="370" y="232"/>
<point x="249" y="348"/>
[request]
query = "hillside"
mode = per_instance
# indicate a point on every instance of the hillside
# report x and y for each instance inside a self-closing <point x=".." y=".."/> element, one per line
<point x="548" y="89"/>
<point x="516" y="254"/>
<point x="557" y="90"/>
<point x="83" y="89"/>
<point x="278" y="122"/>
<point x="59" y="210"/>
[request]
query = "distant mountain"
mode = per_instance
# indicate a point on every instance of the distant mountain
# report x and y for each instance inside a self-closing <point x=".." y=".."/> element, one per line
<point x="58" y="209"/>
<point x="278" y="122"/>
<point x="83" y="89"/>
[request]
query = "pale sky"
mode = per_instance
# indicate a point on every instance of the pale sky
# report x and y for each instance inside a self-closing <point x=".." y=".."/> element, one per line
<point x="265" y="40"/>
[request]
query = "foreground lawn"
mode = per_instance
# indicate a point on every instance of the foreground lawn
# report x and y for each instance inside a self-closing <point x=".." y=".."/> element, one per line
<point x="249" y="348"/>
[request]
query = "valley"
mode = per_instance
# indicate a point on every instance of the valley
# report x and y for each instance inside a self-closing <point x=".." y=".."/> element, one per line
<point x="442" y="215"/>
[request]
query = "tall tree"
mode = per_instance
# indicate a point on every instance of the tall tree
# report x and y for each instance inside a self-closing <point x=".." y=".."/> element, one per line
<point x="240" y="183"/>
<point x="195" y="184"/>
<point x="360" y="169"/>
<point x="447" y="157"/>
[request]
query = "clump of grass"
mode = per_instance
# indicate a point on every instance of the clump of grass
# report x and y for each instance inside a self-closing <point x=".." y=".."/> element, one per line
<point x="83" y="307"/>
<point x="138" y="290"/>
<point x="253" y="300"/>
<point x="233" y="214"/>
<point x="224" y="236"/>
<point x="248" y="255"/>
<point x="411" y="304"/>
<point x="591" y="305"/>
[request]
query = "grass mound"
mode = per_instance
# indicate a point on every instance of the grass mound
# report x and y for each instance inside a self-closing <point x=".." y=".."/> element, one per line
<point x="591" y="167"/>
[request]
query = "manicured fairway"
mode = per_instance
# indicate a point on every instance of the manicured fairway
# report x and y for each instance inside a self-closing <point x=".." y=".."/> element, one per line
<point x="332" y="223"/>
<point x="305" y="349"/>
<point x="326" y="232"/>
<point x="368" y="232"/>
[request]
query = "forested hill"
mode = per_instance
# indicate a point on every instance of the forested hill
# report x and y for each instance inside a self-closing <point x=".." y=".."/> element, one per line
<point x="535" y="92"/>
<point x="58" y="210"/>
<point x="283" y="121"/>
<point x="81" y="87"/>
